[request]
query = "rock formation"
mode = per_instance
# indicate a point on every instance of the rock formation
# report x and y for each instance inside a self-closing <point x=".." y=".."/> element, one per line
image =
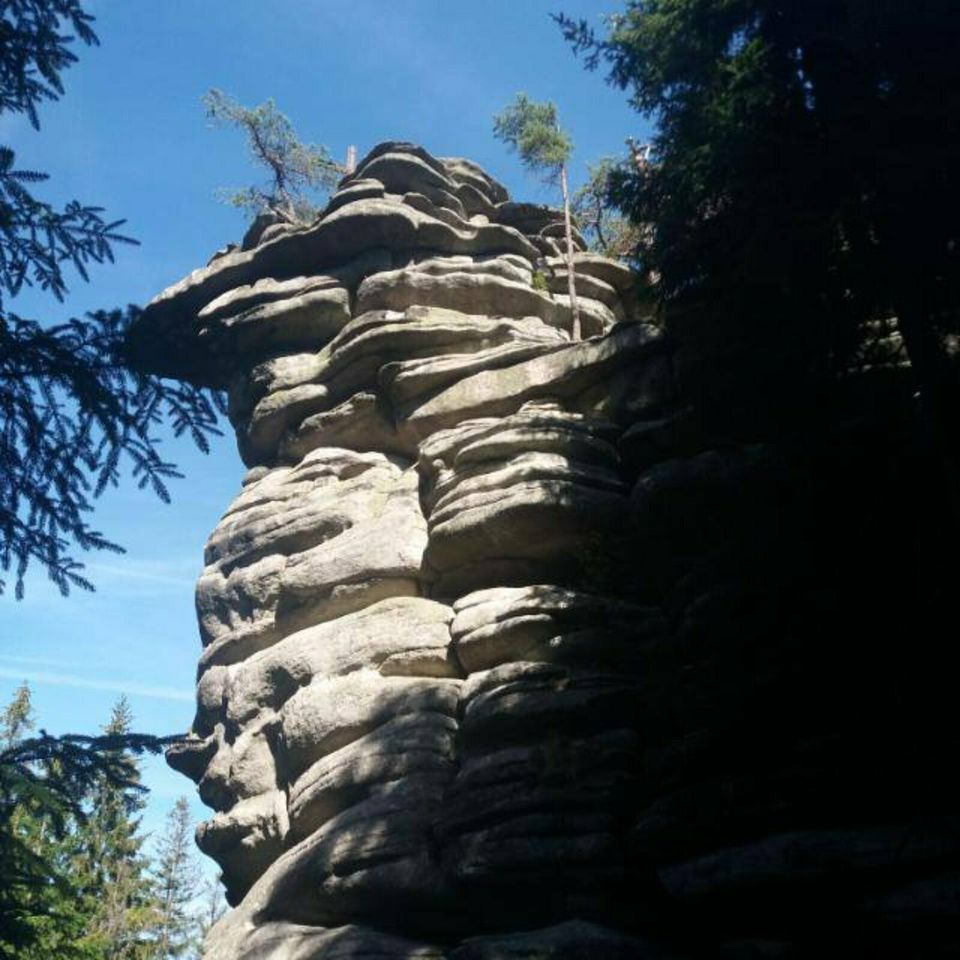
<point x="463" y="693"/>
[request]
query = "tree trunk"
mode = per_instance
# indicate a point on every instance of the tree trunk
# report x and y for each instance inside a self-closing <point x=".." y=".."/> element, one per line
<point x="935" y="377"/>
<point x="568" y="230"/>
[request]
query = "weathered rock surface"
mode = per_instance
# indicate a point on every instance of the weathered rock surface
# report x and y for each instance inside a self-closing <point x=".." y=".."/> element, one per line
<point x="544" y="623"/>
<point x="508" y="498"/>
<point x="490" y="669"/>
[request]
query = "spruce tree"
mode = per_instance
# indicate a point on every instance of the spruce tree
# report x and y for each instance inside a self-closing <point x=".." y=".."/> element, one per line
<point x="177" y="886"/>
<point x="72" y="411"/>
<point x="42" y="913"/>
<point x="110" y="862"/>
<point x="801" y="192"/>
<point x="66" y="839"/>
<point x="212" y="907"/>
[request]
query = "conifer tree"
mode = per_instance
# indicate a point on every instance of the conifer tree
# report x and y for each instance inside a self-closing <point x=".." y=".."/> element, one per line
<point x="296" y="169"/>
<point x="605" y="228"/>
<point x="110" y="862"/>
<point x="41" y="910"/>
<point x="19" y="864"/>
<point x="212" y="907"/>
<point x="533" y="130"/>
<point x="801" y="192"/>
<point x="72" y="411"/>
<point x="177" y="885"/>
<point x="17" y="718"/>
<point x="51" y="883"/>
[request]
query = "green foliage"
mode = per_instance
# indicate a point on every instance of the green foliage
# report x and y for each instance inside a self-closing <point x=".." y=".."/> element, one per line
<point x="607" y="231"/>
<point x="66" y="833"/>
<point x="71" y="412"/>
<point x="75" y="879"/>
<point x="108" y="862"/>
<point x="802" y="183"/>
<point x="177" y="883"/>
<point x="72" y="879"/>
<point x="60" y="772"/>
<point x="33" y="51"/>
<point x="36" y="239"/>
<point x="539" y="281"/>
<point x="533" y="131"/>
<point x="296" y="169"/>
<point x="16" y="720"/>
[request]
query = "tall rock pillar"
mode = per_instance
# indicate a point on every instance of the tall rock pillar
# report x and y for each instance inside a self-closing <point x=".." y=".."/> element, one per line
<point x="417" y="702"/>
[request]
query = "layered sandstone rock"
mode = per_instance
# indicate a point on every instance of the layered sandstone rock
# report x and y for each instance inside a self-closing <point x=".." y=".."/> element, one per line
<point x="410" y="707"/>
<point x="476" y="631"/>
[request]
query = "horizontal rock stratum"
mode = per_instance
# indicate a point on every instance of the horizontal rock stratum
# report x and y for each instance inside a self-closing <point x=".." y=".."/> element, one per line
<point x="410" y="728"/>
<point x="463" y="694"/>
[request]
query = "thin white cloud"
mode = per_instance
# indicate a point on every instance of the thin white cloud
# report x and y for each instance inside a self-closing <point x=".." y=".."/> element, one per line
<point x="130" y="580"/>
<point x="113" y="686"/>
<point x="141" y="572"/>
<point x="37" y="661"/>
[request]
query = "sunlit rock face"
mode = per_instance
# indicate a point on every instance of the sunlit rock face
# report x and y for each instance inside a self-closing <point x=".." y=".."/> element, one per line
<point x="505" y="655"/>
<point x="416" y="707"/>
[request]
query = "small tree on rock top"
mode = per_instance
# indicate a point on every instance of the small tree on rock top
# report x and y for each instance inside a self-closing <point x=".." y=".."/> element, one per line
<point x="607" y="231"/>
<point x="533" y="130"/>
<point x="295" y="168"/>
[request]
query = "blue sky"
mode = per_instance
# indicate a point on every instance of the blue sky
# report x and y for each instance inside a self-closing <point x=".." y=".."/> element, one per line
<point x="130" y="135"/>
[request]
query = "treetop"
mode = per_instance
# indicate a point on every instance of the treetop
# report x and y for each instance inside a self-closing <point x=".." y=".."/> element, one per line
<point x="532" y="129"/>
<point x="295" y="167"/>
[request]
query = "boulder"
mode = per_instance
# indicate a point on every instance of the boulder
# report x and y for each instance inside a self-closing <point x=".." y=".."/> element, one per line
<point x="362" y="189"/>
<point x="572" y="940"/>
<point x="262" y="581"/>
<point x="531" y="488"/>
<point x="238" y="938"/>
<point x="547" y="623"/>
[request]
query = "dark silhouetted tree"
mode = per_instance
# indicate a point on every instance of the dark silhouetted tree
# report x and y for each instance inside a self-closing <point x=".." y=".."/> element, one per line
<point x="72" y="413"/>
<point x="802" y="183"/>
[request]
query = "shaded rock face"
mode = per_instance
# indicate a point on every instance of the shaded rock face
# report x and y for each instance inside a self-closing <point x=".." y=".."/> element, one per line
<point x="495" y="660"/>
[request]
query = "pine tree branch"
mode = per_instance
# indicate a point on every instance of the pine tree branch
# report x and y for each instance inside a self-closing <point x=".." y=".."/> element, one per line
<point x="72" y="415"/>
